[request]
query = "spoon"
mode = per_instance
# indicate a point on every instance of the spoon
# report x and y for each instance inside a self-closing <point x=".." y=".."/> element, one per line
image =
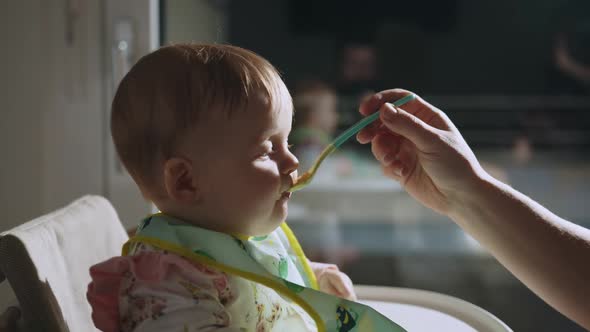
<point x="304" y="179"/>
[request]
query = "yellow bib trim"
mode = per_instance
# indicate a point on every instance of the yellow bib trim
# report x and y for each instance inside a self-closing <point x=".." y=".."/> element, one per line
<point x="299" y="252"/>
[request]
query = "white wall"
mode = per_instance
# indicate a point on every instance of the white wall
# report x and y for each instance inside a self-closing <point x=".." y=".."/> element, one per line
<point x="21" y="82"/>
<point x="52" y="120"/>
<point x="74" y="117"/>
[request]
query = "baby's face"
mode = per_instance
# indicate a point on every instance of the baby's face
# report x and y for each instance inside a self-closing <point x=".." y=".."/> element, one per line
<point x="244" y="167"/>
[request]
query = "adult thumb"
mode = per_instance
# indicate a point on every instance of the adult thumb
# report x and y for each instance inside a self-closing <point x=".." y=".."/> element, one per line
<point x="408" y="125"/>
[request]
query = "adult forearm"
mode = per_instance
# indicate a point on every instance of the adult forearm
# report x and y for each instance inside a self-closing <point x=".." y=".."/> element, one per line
<point x="549" y="254"/>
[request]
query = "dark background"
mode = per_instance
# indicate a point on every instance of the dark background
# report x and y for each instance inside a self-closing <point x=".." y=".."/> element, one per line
<point x="490" y="65"/>
<point x="457" y="47"/>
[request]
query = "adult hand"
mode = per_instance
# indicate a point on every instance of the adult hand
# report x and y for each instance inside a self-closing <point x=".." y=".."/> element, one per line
<point x="420" y="147"/>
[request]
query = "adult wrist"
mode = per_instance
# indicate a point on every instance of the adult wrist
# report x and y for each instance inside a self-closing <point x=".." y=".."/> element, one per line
<point x="473" y="199"/>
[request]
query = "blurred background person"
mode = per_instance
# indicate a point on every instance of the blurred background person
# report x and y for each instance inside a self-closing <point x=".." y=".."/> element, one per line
<point x="315" y="119"/>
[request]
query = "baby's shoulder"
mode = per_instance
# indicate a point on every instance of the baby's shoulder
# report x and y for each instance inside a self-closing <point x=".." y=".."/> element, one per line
<point x="164" y="259"/>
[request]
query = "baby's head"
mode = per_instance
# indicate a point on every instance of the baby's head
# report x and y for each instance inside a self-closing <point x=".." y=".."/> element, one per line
<point x="203" y="129"/>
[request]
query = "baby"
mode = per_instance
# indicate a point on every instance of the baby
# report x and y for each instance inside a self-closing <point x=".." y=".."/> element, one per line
<point x="203" y="129"/>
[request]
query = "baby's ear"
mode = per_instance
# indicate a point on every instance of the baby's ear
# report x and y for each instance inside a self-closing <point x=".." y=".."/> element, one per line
<point x="180" y="180"/>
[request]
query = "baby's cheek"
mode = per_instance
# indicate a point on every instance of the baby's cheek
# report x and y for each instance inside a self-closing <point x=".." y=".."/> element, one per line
<point x="267" y="179"/>
<point x="270" y="187"/>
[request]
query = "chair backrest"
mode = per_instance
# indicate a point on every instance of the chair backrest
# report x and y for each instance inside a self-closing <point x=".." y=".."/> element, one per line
<point x="46" y="262"/>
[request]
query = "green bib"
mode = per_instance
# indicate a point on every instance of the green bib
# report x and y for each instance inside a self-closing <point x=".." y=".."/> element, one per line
<point x="231" y="255"/>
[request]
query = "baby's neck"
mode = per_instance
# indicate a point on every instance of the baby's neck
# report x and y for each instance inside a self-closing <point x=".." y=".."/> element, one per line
<point x="202" y="222"/>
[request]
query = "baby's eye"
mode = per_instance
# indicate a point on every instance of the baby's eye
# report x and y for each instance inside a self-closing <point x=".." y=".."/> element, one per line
<point x="266" y="150"/>
<point x="264" y="155"/>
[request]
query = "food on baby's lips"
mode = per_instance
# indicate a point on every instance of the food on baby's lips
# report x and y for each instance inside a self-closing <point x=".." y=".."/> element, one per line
<point x="301" y="180"/>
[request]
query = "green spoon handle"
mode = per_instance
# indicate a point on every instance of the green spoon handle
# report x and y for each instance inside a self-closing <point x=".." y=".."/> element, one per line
<point x="366" y="121"/>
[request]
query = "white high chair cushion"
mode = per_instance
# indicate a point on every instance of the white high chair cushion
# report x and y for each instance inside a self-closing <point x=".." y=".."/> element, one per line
<point x="47" y="259"/>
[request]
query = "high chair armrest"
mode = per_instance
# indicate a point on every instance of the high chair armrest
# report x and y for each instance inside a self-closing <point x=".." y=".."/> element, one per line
<point x="410" y="305"/>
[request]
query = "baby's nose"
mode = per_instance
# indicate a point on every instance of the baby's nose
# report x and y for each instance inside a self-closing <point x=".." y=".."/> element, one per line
<point x="290" y="164"/>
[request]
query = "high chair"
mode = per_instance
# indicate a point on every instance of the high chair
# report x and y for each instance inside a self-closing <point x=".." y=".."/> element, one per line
<point x="46" y="262"/>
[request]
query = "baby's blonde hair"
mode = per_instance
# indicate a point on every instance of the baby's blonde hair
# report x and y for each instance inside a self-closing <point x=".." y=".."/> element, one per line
<point x="163" y="96"/>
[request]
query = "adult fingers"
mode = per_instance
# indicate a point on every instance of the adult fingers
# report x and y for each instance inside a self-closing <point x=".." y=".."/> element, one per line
<point x="372" y="104"/>
<point x="385" y="147"/>
<point x="417" y="107"/>
<point x="409" y="126"/>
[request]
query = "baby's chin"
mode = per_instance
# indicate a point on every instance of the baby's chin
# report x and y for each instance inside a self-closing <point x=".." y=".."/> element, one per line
<point x="265" y="228"/>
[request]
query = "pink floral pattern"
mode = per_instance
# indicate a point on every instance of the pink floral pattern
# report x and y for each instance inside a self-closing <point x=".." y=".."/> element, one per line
<point x="129" y="291"/>
<point x="153" y="290"/>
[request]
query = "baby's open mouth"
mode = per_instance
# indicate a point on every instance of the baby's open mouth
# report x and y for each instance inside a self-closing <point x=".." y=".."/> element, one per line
<point x="286" y="195"/>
